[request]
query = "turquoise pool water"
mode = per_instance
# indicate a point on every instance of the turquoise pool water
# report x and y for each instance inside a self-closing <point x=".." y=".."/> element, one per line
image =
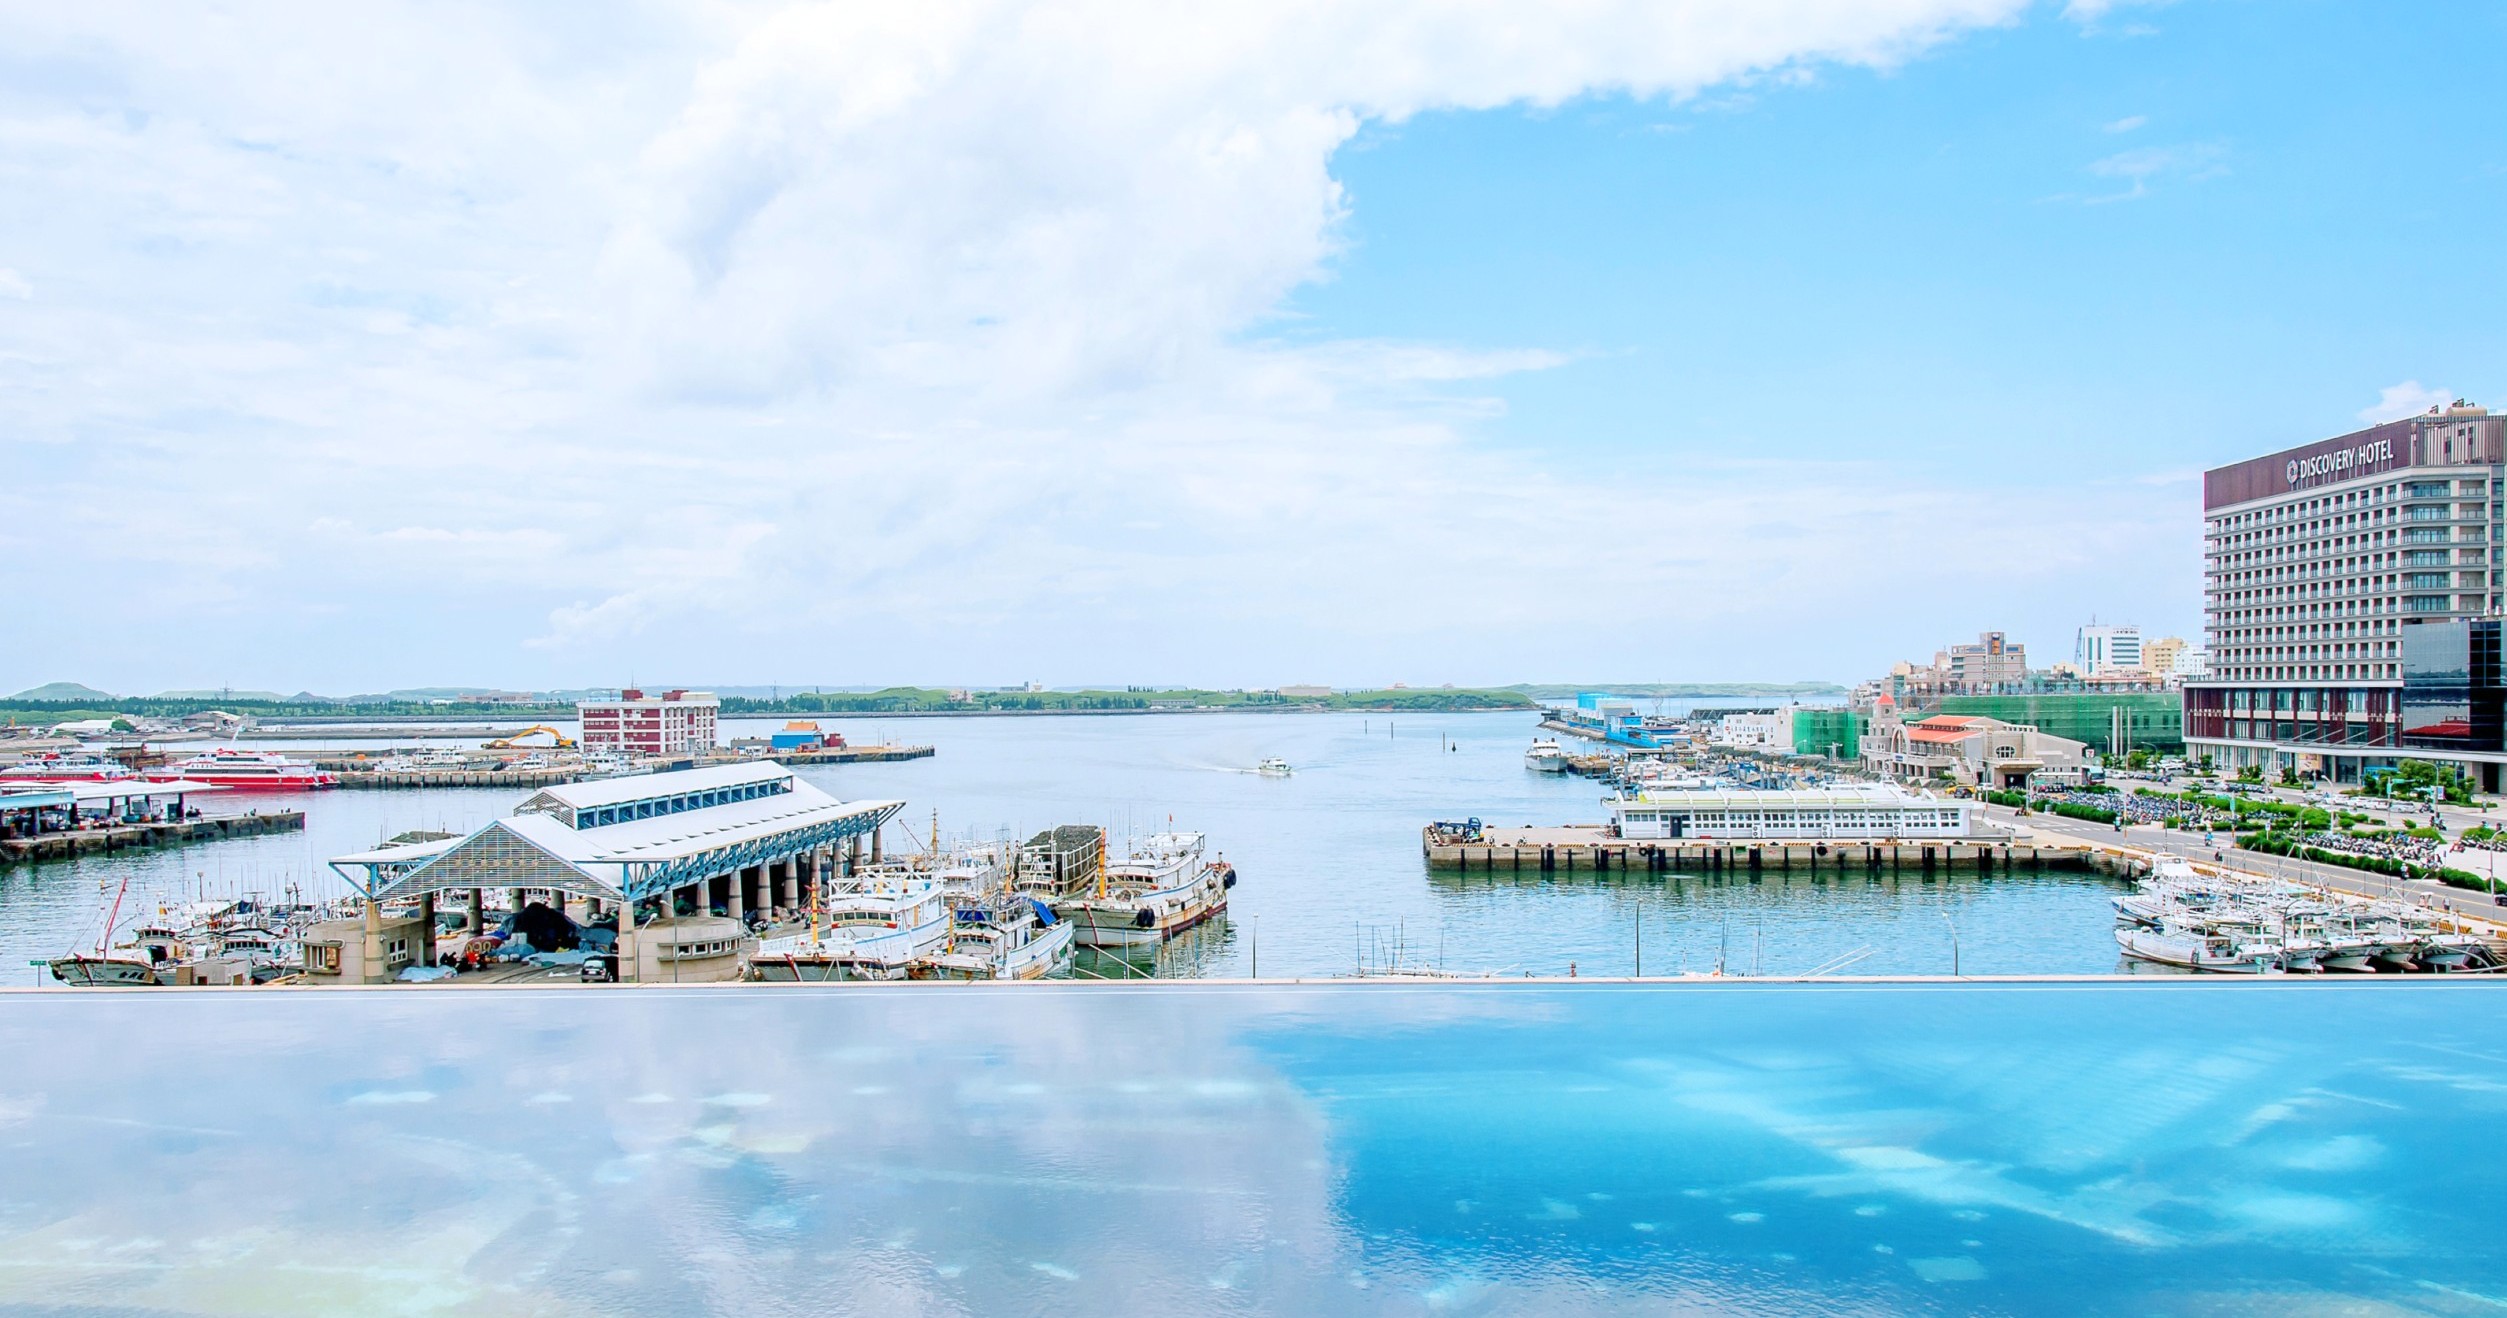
<point x="1586" y="1149"/>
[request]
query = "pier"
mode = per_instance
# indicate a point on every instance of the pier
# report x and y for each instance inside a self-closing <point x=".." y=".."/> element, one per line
<point x="1591" y="848"/>
<point x="71" y="843"/>
<point x="359" y="771"/>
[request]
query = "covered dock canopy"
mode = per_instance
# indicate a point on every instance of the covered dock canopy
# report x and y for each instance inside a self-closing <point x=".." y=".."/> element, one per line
<point x="135" y="790"/>
<point x="627" y="838"/>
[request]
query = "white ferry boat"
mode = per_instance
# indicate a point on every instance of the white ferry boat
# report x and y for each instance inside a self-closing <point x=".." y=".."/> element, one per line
<point x="1546" y="756"/>
<point x="247" y="769"/>
<point x="1162" y="888"/>
<point x="59" y="769"/>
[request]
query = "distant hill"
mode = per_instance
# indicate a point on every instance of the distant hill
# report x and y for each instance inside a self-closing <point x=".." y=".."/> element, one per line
<point x="262" y="697"/>
<point x="1676" y="690"/>
<point x="63" y="691"/>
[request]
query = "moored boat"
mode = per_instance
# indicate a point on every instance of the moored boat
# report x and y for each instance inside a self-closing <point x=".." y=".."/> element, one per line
<point x="1012" y="936"/>
<point x="68" y="769"/>
<point x="875" y="929"/>
<point x="247" y="769"/>
<point x="1545" y="756"/>
<point x="1162" y="888"/>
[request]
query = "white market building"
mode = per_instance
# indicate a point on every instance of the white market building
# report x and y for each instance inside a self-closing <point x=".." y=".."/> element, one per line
<point x="1856" y="812"/>
<point x="738" y="838"/>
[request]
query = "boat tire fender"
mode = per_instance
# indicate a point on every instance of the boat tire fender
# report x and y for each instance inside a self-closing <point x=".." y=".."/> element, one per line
<point x="1144" y="918"/>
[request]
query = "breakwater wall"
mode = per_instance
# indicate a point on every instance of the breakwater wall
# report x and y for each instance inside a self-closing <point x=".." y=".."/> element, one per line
<point x="133" y="837"/>
<point x="1597" y="854"/>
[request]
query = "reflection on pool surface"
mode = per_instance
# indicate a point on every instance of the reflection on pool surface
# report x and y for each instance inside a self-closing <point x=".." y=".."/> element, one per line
<point x="1762" y="1148"/>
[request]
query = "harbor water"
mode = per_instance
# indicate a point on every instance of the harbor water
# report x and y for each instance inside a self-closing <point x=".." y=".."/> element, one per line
<point x="2163" y="1147"/>
<point x="1333" y="878"/>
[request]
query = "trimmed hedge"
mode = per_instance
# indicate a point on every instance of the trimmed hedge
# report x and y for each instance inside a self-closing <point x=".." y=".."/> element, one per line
<point x="2089" y="812"/>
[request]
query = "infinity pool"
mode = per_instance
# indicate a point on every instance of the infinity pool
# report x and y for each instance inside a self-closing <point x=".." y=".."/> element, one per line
<point x="2157" y="1147"/>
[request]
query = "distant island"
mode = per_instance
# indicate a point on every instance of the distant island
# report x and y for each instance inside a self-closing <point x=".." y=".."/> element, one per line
<point x="62" y="702"/>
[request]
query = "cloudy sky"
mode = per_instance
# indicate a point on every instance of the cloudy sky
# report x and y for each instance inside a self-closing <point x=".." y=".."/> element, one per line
<point x="348" y="347"/>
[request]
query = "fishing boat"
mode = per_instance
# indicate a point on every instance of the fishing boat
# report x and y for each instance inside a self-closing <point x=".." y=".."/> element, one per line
<point x="1011" y="936"/>
<point x="1273" y="767"/>
<point x="130" y="965"/>
<point x="1546" y="756"/>
<point x="122" y="967"/>
<point x="876" y="928"/>
<point x="2190" y="946"/>
<point x="1161" y="888"/>
<point x="247" y="769"/>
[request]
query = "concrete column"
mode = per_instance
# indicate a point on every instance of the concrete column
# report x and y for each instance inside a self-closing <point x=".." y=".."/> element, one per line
<point x="513" y="900"/>
<point x="732" y="904"/>
<point x="423" y="954"/>
<point x="373" y="969"/>
<point x="478" y="912"/>
<point x="852" y="854"/>
<point x="626" y="942"/>
<point x="788" y="890"/>
<point x="877" y="836"/>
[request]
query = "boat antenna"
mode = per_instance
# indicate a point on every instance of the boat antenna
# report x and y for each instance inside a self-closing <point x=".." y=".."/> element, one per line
<point x="114" y="917"/>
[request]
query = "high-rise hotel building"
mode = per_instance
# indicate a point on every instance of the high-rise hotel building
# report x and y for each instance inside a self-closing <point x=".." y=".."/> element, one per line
<point x="2351" y="597"/>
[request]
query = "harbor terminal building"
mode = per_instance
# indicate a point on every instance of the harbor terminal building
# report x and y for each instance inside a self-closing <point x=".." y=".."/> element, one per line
<point x="2351" y="601"/>
<point x="670" y="850"/>
<point x="1861" y="812"/>
<point x="1970" y="749"/>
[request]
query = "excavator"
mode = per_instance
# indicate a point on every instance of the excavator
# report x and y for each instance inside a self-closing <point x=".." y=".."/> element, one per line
<point x="557" y="741"/>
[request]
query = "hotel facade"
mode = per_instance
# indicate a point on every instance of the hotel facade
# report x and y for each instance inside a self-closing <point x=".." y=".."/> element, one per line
<point x="2351" y="597"/>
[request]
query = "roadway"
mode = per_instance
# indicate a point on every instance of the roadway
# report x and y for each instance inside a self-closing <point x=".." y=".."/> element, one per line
<point x="2153" y="838"/>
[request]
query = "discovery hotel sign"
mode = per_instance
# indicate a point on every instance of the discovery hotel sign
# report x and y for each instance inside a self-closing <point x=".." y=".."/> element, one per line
<point x="2358" y="459"/>
<point x="2371" y="452"/>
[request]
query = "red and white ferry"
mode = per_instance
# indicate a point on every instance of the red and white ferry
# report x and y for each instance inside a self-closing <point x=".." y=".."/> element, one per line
<point x="247" y="769"/>
<point x="64" y="769"/>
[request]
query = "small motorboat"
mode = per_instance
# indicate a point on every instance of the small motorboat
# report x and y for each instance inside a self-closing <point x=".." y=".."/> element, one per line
<point x="1273" y="767"/>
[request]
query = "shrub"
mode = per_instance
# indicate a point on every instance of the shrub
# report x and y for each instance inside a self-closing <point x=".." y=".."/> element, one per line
<point x="2088" y="812"/>
<point x="2426" y="834"/>
<point x="2455" y="878"/>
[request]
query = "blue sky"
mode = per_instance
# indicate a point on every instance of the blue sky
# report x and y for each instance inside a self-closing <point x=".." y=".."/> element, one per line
<point x="1356" y="343"/>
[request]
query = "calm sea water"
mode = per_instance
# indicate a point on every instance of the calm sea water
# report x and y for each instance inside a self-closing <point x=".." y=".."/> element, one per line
<point x="1330" y="857"/>
<point x="2191" y="1148"/>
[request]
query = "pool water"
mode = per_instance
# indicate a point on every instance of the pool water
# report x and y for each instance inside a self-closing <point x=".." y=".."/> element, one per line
<point x="2069" y="1147"/>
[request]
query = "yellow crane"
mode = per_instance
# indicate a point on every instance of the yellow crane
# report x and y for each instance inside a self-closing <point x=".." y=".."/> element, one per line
<point x="558" y="741"/>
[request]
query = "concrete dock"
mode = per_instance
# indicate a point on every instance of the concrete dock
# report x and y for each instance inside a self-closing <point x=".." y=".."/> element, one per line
<point x="131" y="837"/>
<point x="1590" y="848"/>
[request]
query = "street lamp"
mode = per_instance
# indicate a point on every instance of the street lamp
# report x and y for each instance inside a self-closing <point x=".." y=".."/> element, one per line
<point x="1954" y="943"/>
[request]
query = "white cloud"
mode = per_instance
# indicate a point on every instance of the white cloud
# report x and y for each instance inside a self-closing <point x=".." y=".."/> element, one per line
<point x="2396" y="401"/>
<point x="2128" y="123"/>
<point x="883" y="339"/>
<point x="2192" y="161"/>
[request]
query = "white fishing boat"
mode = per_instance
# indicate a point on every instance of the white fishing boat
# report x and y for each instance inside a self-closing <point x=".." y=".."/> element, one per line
<point x="1012" y="936"/>
<point x="2192" y="947"/>
<point x="1546" y="756"/>
<point x="876" y="928"/>
<point x="1161" y="888"/>
<point x="1273" y="767"/>
<point x="122" y="967"/>
<point x="130" y="965"/>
